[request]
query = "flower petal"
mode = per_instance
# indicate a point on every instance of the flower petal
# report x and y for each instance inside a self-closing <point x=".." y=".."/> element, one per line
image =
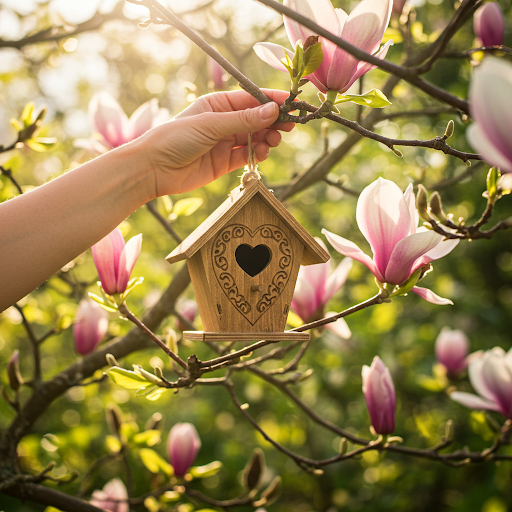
<point x="364" y="67"/>
<point x="108" y="118"/>
<point x="127" y="261"/>
<point x="272" y="54"/>
<point x="406" y="252"/>
<point x="413" y="212"/>
<point x="337" y="279"/>
<point x="106" y="254"/>
<point x="367" y="23"/>
<point x="320" y="11"/>
<point x="142" y="119"/>
<point x="490" y="106"/>
<point x="350" y="249"/>
<point x="473" y="401"/>
<point x="339" y="327"/>
<point x="479" y="140"/>
<point x="93" y="145"/>
<point x="303" y="301"/>
<point x="383" y="218"/>
<point x="430" y="296"/>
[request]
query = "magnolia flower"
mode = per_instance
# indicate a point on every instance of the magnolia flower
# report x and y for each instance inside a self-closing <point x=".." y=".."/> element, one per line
<point x="452" y="347"/>
<point x="490" y="104"/>
<point x="489" y="24"/>
<point x="115" y="260"/>
<point x="112" y="126"/>
<point x="388" y="219"/>
<point x="110" y="497"/>
<point x="182" y="447"/>
<point x="364" y="28"/>
<point x="315" y="286"/>
<point x="491" y="377"/>
<point x="91" y="324"/>
<point x="379" y="394"/>
<point x="188" y="310"/>
<point x="216" y="74"/>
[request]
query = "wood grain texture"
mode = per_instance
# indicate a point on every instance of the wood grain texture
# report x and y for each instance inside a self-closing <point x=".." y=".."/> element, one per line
<point x="313" y="253"/>
<point x="246" y="336"/>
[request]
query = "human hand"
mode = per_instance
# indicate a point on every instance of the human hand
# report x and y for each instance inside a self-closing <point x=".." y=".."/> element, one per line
<point x="209" y="139"/>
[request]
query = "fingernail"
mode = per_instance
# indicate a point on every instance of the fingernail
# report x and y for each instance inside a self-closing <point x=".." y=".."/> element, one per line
<point x="268" y="111"/>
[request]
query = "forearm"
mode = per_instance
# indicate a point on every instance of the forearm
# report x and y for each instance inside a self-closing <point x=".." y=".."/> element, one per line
<point x="43" y="230"/>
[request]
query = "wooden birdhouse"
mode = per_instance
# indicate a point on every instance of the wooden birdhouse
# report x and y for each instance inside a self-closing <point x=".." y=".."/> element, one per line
<point x="243" y="262"/>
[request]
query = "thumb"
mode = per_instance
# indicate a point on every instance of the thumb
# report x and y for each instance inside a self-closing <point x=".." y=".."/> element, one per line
<point x="222" y="124"/>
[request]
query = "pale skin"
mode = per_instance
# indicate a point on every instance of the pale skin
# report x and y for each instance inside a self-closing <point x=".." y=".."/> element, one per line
<point x="43" y="230"/>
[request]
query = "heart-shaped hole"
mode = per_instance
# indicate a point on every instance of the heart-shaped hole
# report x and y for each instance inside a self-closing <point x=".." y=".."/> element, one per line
<point x="253" y="260"/>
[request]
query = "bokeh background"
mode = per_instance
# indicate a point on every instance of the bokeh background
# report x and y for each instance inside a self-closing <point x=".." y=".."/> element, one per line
<point x="135" y="65"/>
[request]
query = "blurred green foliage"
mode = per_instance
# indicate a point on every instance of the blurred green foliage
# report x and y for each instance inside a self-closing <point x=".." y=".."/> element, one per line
<point x="138" y="64"/>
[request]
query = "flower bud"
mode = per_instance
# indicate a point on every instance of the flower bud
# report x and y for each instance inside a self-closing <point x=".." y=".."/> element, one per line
<point x="379" y="393"/>
<point x="436" y="207"/>
<point x="422" y="202"/>
<point x="155" y="422"/>
<point x="91" y="324"/>
<point x="188" y="310"/>
<point x="182" y="447"/>
<point x="13" y="371"/>
<point x="113" y="497"/>
<point x="452" y="348"/>
<point x="489" y="24"/>
<point x="493" y="177"/>
<point x="450" y="127"/>
<point x="114" y="419"/>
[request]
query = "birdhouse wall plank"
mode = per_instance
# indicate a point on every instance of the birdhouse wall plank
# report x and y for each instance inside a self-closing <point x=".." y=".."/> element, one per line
<point x="251" y="265"/>
<point x="200" y="282"/>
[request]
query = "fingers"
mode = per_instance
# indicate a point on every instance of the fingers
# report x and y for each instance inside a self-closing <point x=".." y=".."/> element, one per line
<point x="240" y="100"/>
<point x="217" y="125"/>
<point x="270" y="136"/>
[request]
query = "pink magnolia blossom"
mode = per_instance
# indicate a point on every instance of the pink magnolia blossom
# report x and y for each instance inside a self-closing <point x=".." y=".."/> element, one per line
<point x="115" y="260"/>
<point x="379" y="394"/>
<point x="188" y="310"/>
<point x="182" y="447"/>
<point x="388" y="219"/>
<point x="491" y="377"/>
<point x="216" y="74"/>
<point x="110" y="497"/>
<point x="364" y="27"/>
<point x="452" y="348"/>
<point x="489" y="24"/>
<point x="91" y="324"/>
<point x="315" y="286"/>
<point x="112" y="126"/>
<point x="490" y="104"/>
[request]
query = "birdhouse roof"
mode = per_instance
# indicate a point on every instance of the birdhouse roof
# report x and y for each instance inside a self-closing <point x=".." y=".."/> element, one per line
<point x="313" y="252"/>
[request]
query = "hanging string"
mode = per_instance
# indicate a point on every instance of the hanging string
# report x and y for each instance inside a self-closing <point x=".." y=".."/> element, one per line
<point x="251" y="169"/>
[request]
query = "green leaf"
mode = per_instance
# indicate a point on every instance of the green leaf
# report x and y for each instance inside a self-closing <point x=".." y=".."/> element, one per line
<point x="16" y="124"/>
<point x="207" y="470"/>
<point x="101" y="302"/>
<point x="126" y="378"/>
<point x="154" y="462"/>
<point x="113" y="444"/>
<point x="132" y="283"/>
<point x="287" y="63"/>
<point x="313" y="58"/>
<point x="298" y="59"/>
<point x="41" y="144"/>
<point x="26" y="115"/>
<point x="373" y="99"/>
<point x="166" y="203"/>
<point x="148" y="437"/>
<point x="187" y="206"/>
<point x="155" y="394"/>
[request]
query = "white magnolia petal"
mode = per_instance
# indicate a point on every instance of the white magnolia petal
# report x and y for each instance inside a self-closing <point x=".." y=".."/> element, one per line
<point x="478" y="139"/>
<point x="339" y="327"/>
<point x="383" y="218"/>
<point x="367" y="23"/>
<point x="272" y="54"/>
<point x="406" y="252"/>
<point x="410" y="199"/>
<point x="430" y="296"/>
<point x="350" y="249"/>
<point x="142" y="119"/>
<point x="473" y="401"/>
<point x="337" y="279"/>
